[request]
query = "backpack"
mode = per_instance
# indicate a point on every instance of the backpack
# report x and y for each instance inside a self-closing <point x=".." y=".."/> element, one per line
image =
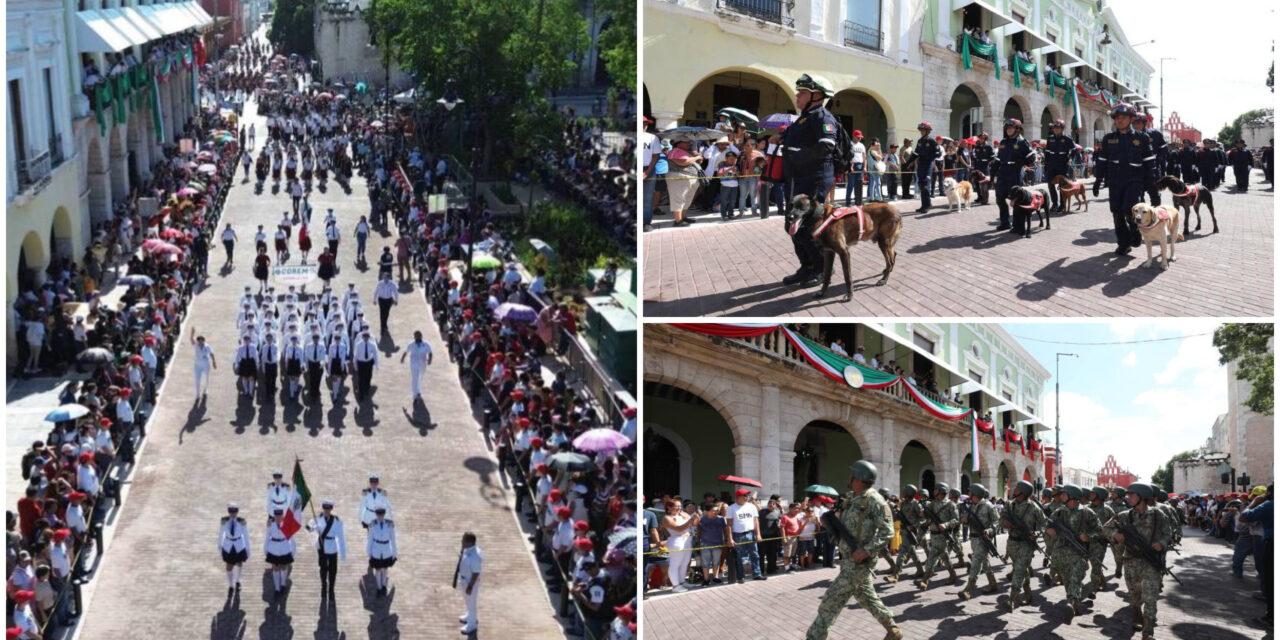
<point x="843" y="154"/>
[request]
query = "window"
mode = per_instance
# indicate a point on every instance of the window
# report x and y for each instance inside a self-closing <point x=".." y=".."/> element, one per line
<point x="1019" y="18"/>
<point x="17" y="119"/>
<point x="49" y="106"/>
<point x="922" y="342"/>
<point x="1080" y="52"/>
<point x="975" y="376"/>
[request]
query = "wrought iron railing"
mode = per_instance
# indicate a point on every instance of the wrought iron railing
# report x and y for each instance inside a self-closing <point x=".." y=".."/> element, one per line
<point x="35" y="170"/>
<point x="862" y="36"/>
<point x="960" y="44"/>
<point x="775" y="11"/>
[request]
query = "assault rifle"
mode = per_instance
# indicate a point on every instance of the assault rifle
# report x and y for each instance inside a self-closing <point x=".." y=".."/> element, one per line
<point x="906" y="531"/>
<point x="1067" y="535"/>
<point x="833" y="523"/>
<point x="1136" y="541"/>
<point x="951" y="535"/>
<point x="1022" y="529"/>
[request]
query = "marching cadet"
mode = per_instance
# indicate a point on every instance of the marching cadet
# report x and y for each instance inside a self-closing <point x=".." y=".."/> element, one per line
<point x="270" y="355"/>
<point x="315" y="354"/>
<point x="279" y="494"/>
<point x="233" y="542"/>
<point x="1142" y="579"/>
<point x="1118" y="507"/>
<point x="1019" y="549"/>
<point x="867" y="517"/>
<point x="331" y="546"/>
<point x="294" y="356"/>
<point x="1098" y="543"/>
<point x="912" y="517"/>
<point x="953" y="543"/>
<point x="375" y="497"/>
<point x="366" y="360"/>
<point x="1071" y="565"/>
<point x="279" y="550"/>
<point x="338" y="356"/>
<point x="939" y="542"/>
<point x="1057" y="161"/>
<point x="1127" y="161"/>
<point x="246" y="365"/>
<point x="381" y="547"/>
<point x="1141" y="124"/>
<point x="469" y="565"/>
<point x="982" y="525"/>
<point x="1014" y="153"/>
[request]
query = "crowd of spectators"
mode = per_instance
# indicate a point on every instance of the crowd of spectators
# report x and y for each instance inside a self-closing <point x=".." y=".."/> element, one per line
<point x="584" y="169"/>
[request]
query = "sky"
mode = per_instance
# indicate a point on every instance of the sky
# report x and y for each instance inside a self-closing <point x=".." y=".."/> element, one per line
<point x="1141" y="402"/>
<point x="1222" y="55"/>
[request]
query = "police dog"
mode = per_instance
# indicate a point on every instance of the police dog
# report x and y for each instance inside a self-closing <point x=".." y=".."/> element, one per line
<point x="958" y="193"/>
<point x="1070" y="189"/>
<point x="1024" y="201"/>
<point x="981" y="185"/>
<point x="1155" y="223"/>
<point x="835" y="233"/>
<point x="1186" y="196"/>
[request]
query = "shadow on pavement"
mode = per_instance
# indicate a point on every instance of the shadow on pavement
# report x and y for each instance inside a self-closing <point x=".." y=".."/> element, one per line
<point x="229" y="623"/>
<point x="383" y="625"/>
<point x="195" y="417"/>
<point x="420" y="419"/>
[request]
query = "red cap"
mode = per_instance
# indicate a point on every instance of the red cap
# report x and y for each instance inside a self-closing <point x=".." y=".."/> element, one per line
<point x="541" y="467"/>
<point x="148" y="340"/>
<point x="580" y="525"/>
<point x="937" y="138"/>
<point x="648" y="120"/>
<point x="518" y="394"/>
<point x="742" y="492"/>
<point x="563" y="512"/>
<point x="629" y="412"/>
<point x="631" y="626"/>
<point x="136" y="359"/>
<point x="537" y="442"/>
<point x="13" y="632"/>
<point x="86" y="457"/>
<point x="158" y="318"/>
<point x="625" y="612"/>
<point x="555" y="495"/>
<point x="77" y="495"/>
<point x="105" y="423"/>
<point x="23" y="595"/>
<point x="61" y="534"/>
<point x="476" y="336"/>
<point x="857" y="132"/>
<point x="466" y="313"/>
<point x="126" y="392"/>
<point x="523" y="422"/>
<point x="584" y="544"/>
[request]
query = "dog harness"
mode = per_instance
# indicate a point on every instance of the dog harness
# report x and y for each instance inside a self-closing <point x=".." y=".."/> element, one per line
<point x="842" y="213"/>
<point x="1193" y="191"/>
<point x="1161" y="215"/>
<point x="1037" y="199"/>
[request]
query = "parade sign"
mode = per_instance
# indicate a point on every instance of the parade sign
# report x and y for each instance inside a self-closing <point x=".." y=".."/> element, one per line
<point x="294" y="274"/>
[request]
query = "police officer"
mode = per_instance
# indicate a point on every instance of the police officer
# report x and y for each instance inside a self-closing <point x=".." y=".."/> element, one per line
<point x="983" y="155"/>
<point x="331" y="546"/>
<point x="1241" y="161"/>
<point x="1207" y="164"/>
<point x="1126" y="157"/>
<point x="1014" y="154"/>
<point x="1141" y="123"/>
<point x="927" y="151"/>
<point x="1057" y="161"/>
<point x="807" y="165"/>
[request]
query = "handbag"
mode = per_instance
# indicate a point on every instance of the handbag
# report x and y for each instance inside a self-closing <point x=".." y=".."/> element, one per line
<point x="880" y="166"/>
<point x="703" y="180"/>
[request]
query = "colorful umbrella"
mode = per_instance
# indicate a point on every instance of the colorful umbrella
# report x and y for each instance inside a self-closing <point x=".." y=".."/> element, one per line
<point x="96" y="355"/>
<point x="137" y="280"/>
<point x="568" y="461"/>
<point x="777" y="121"/>
<point x="740" y="480"/>
<point x="600" y="440"/>
<point x="739" y="115"/>
<point x="515" y="312"/>
<point x="170" y="234"/>
<point x="482" y="261"/>
<point x="690" y="133"/>
<point x="187" y="191"/>
<point x="208" y="168"/>
<point x="160" y="246"/>
<point x="67" y="412"/>
<point x="822" y="489"/>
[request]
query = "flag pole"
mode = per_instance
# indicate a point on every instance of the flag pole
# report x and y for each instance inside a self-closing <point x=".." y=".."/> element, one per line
<point x="312" y="503"/>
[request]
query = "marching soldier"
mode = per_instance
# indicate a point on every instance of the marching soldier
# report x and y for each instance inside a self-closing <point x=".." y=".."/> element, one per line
<point x="884" y="551"/>
<point x="1014" y="154"/>
<point x="375" y="497"/>
<point x="939" y="541"/>
<point x="867" y="518"/>
<point x="331" y="546"/>
<point x="808" y="147"/>
<point x="1142" y="579"/>
<point x="279" y="550"/>
<point x="1118" y="507"/>
<point x="1175" y="525"/>
<point x="1141" y="124"/>
<point x="1126" y="159"/>
<point x="381" y="547"/>
<point x="1049" y="503"/>
<point x="1057" y="161"/>
<point x="912" y="516"/>
<point x="315" y="357"/>
<point x="279" y="494"/>
<point x="366" y="359"/>
<point x="1207" y="164"/>
<point x="1098" y="544"/>
<point x="1020" y="549"/>
<point x="1241" y="161"/>
<point x="269" y="353"/>
<point x="953" y="542"/>
<point x="927" y="151"/>
<point x="1070" y="564"/>
<point x="982" y="525"/>
<point x="983" y="155"/>
<point x="233" y="543"/>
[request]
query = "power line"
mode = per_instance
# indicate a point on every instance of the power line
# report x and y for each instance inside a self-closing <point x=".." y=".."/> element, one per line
<point x="1100" y="344"/>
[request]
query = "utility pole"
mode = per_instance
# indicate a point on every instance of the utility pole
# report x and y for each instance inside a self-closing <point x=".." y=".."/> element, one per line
<point x="1162" y="91"/>
<point x="1057" y="410"/>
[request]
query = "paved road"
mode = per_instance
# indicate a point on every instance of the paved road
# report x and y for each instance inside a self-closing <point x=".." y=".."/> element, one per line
<point x="956" y="264"/>
<point x="1213" y="606"/>
<point x="162" y="577"/>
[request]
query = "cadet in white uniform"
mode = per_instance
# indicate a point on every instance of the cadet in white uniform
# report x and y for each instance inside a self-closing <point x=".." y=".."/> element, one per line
<point x="279" y="494"/>
<point x="419" y="354"/>
<point x="468" y="570"/>
<point x="374" y="497"/>
<point x="233" y="543"/>
<point x="203" y="361"/>
<point x="279" y="550"/>
<point x="381" y="547"/>
<point x="331" y="546"/>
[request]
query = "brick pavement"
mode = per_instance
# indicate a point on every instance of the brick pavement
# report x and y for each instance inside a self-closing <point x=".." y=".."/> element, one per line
<point x="1212" y="606"/>
<point x="162" y="577"/>
<point x="956" y="264"/>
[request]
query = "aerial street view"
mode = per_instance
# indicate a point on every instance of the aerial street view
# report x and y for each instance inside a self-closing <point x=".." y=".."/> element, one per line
<point x="323" y="320"/>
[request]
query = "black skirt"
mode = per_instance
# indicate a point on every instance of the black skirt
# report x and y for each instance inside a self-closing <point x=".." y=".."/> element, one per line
<point x="248" y="367"/>
<point x="337" y="367"/>
<point x="284" y="559"/>
<point x="260" y="272"/>
<point x="326" y="271"/>
<point x="381" y="563"/>
<point x="235" y="557"/>
<point x="293" y="367"/>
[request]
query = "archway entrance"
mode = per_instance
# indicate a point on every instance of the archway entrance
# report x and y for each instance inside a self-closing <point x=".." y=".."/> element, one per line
<point x="1002" y="480"/>
<point x="966" y="113"/>
<point x="679" y="420"/>
<point x="741" y="89"/>
<point x="1046" y="123"/>
<point x="968" y="477"/>
<point x="857" y="110"/>
<point x="662" y="466"/>
<point x="32" y="261"/>
<point x="1013" y="110"/>
<point x="824" y="452"/>
<point x="916" y="467"/>
<point x="1100" y="129"/>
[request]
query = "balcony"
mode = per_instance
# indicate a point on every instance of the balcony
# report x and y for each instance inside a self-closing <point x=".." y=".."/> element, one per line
<point x="33" y="173"/>
<point x="774" y="11"/>
<point x="55" y="150"/>
<point x="959" y="47"/>
<point x="862" y="36"/>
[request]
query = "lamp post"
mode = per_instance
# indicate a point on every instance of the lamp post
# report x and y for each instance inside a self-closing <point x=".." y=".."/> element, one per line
<point x="1162" y="91"/>
<point x="1057" y="410"/>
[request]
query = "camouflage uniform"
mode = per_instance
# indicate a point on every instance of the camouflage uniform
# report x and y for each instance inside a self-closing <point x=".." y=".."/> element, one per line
<point x="869" y="519"/>
<point x="1020" y="552"/>
<point x="982" y="520"/>
<point x="1071" y="566"/>
<point x="1047" y="508"/>
<point x="1098" y="545"/>
<point x="953" y="542"/>
<point x="940" y="542"/>
<point x="912" y="516"/>
<point x="1143" y="580"/>
<point x="1120" y="507"/>
<point x="1175" y="524"/>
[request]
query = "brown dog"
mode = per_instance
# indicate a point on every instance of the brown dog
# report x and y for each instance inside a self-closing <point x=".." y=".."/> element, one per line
<point x="1155" y="223"/>
<point x="834" y="232"/>
<point x="1069" y="189"/>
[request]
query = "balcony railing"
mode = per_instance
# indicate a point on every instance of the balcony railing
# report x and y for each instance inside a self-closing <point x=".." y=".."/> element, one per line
<point x="862" y="36"/>
<point x="55" y="150"/>
<point x="960" y="43"/>
<point x="775" y="11"/>
<point x="34" y="171"/>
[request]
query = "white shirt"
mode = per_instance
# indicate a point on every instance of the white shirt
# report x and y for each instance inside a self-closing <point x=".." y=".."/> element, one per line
<point x="857" y="357"/>
<point x="652" y="147"/>
<point x="335" y="542"/>
<point x="838" y="349"/>
<point x="469" y="566"/>
<point x="387" y="289"/>
<point x="382" y="539"/>
<point x="278" y="497"/>
<point x="373" y="498"/>
<point x="277" y="543"/>
<point x="563" y="539"/>
<point x="859" y="152"/>
<point x="233" y="535"/>
<point x="87" y="479"/>
<point x="418" y="352"/>
<point x="742" y="517"/>
<point x="366" y="351"/>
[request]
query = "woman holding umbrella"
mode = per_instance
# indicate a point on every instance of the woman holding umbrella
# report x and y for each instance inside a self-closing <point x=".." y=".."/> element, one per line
<point x="261" y="268"/>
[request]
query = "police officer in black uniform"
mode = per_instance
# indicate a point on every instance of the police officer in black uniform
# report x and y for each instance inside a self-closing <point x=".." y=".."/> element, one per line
<point x="926" y="152"/>
<point x="1125" y="157"/>
<point x="1187" y="158"/>
<point x="1241" y="160"/>
<point x="807" y="166"/>
<point x="1057" y="160"/>
<point x="1207" y="163"/>
<point x="1140" y="124"/>
<point x="1013" y="155"/>
<point x="983" y="155"/>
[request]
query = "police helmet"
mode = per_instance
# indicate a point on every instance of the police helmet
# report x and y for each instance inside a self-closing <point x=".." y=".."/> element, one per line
<point x="1073" y="492"/>
<point x="1058" y="123"/>
<point x="1013" y="122"/>
<point x="1100" y="493"/>
<point x="909" y="491"/>
<point x="864" y="471"/>
<point x="815" y="83"/>
<point x="1024" y="487"/>
<point x="924" y="125"/>
<point x="1141" y="117"/>
<point x="941" y="486"/>
<point x="1123" y="109"/>
<point x="1144" y="491"/>
<point x="977" y="491"/>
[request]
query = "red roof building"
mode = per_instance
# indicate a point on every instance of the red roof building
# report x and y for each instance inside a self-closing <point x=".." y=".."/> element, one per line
<point x="1176" y="129"/>
<point x="1112" y="475"/>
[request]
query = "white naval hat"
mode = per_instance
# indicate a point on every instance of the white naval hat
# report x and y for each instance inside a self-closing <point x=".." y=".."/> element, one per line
<point x="373" y="477"/>
<point x="277" y="472"/>
<point x="232" y="507"/>
<point x="326" y="504"/>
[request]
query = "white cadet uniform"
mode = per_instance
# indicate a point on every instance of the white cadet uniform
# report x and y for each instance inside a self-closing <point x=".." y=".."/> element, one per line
<point x="233" y="540"/>
<point x="335" y="542"/>
<point x="381" y="544"/>
<point x="373" y="498"/>
<point x="418" y="352"/>
<point x="278" y="547"/>
<point x="468" y="566"/>
<point x="279" y="496"/>
<point x="203" y="362"/>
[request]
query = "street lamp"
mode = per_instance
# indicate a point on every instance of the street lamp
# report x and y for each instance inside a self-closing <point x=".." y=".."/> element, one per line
<point x="1057" y="410"/>
<point x="1162" y="91"/>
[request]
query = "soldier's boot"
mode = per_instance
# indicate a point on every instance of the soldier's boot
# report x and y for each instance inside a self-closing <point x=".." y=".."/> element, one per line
<point x="1148" y="628"/>
<point x="952" y="572"/>
<point x="919" y="569"/>
<point x="1013" y="599"/>
<point x="1068" y="610"/>
<point x="893" y="574"/>
<point x="991" y="583"/>
<point x="1119" y="570"/>
<point x="892" y="632"/>
<point x="923" y="583"/>
<point x="1136" y="612"/>
<point x="967" y="592"/>
<point x="1026" y="596"/>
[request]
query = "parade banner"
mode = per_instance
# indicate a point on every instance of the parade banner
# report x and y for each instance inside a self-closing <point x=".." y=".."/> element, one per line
<point x="973" y="443"/>
<point x="988" y="427"/>
<point x="297" y="275"/>
<point x="969" y="42"/>
<point x="301" y="498"/>
<point x="1036" y="446"/>
<point x="1024" y="67"/>
<point x="1012" y="436"/>
<point x="101" y="96"/>
<point x="1075" y="102"/>
<point x="727" y="330"/>
<point x="1056" y="80"/>
<point x="119" y="89"/>
<point x="156" y="120"/>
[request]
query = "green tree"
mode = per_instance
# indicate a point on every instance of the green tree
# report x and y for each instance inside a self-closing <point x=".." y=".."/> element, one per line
<point x="1248" y="345"/>
<point x="1163" y="477"/>
<point x="1228" y="134"/>
<point x="617" y="43"/>
<point x="291" y="27"/>
<point x="1271" y="76"/>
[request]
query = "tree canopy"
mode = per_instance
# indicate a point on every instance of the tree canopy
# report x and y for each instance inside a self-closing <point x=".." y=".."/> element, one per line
<point x="291" y="26"/>
<point x="617" y="43"/>
<point x="1247" y="346"/>
<point x="1228" y="134"/>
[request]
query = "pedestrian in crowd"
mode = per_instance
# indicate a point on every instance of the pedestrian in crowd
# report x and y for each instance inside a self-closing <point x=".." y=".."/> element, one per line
<point x="682" y="179"/>
<point x="857" y="170"/>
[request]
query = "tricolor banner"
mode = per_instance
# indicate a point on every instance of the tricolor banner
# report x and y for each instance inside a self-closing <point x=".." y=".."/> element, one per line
<point x="1075" y="102"/>
<point x="973" y="442"/>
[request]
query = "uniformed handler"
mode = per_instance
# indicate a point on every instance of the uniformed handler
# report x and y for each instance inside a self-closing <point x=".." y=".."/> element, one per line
<point x="1142" y="124"/>
<point x="1019" y="549"/>
<point x="233" y="543"/>
<point x="1057" y="161"/>
<point x="926" y="152"/>
<point x="982" y="525"/>
<point x="331" y="546"/>
<point x="1126" y="158"/>
<point x="1241" y="160"/>
<point x="1143" y="580"/>
<point x="983" y="155"/>
<point x="1013" y="155"/>
<point x="808" y="168"/>
<point x="468" y="569"/>
<point x="867" y="517"/>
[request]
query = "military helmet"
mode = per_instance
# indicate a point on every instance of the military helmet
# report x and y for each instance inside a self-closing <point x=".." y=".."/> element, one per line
<point x="941" y="486"/>
<point x="884" y="493"/>
<point x="954" y="493"/>
<point x="1144" y="491"/>
<point x="1118" y="491"/>
<point x="977" y="491"/>
<point x="1073" y="492"/>
<point x="1174" y="498"/>
<point x="1013" y="122"/>
<point x="864" y="471"/>
<point x="1046" y="492"/>
<point x="1100" y="493"/>
<point x="909" y="491"/>
<point x="1123" y="109"/>
<point x="1025" y="488"/>
<point x="1058" y="123"/>
<point x="1161" y="494"/>
<point x="815" y="82"/>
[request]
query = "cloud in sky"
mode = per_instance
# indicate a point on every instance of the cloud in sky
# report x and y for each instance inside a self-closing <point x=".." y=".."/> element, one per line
<point x="1131" y="359"/>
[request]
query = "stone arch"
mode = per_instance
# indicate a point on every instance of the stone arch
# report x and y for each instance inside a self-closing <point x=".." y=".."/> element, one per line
<point x="1004" y="479"/>
<point x="1046" y="120"/>
<point x="772" y="94"/>
<point x="919" y="471"/>
<point x="824" y="449"/>
<point x="881" y="130"/>
<point x="99" y="179"/>
<point x="31" y="261"/>
<point x="959" y="104"/>
<point x="1030" y="473"/>
<point x="699" y="431"/>
<point x="684" y="456"/>
<point x="679" y="379"/>
<point x="1099" y="130"/>
<point x="1017" y="107"/>
<point x="60" y="235"/>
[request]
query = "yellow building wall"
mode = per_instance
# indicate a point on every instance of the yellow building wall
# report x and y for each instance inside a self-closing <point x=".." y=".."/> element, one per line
<point x="37" y="217"/>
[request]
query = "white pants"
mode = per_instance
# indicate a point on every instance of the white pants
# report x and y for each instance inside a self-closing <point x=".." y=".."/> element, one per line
<point x="680" y="556"/>
<point x="471" y="599"/>
<point x="202" y="378"/>
<point x="415" y="375"/>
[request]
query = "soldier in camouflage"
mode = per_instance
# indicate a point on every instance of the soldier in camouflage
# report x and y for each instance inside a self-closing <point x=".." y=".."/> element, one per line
<point x="867" y="516"/>
<point x="1175" y="522"/>
<point x="1142" y="579"/>
<point x="1047" y="505"/>
<point x="1056" y="500"/>
<point x="884" y="551"/>
<point x="1119" y="506"/>
<point x="1098" y="545"/>
<point x="1071" y="565"/>
<point x="912" y="518"/>
<point x="953" y="543"/>
<point x="939" y="543"/>
<point x="982" y="520"/>
<point x="1019" y="550"/>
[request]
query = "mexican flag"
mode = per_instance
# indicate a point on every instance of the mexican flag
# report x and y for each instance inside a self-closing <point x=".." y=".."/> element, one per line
<point x="301" y="498"/>
<point x="973" y="441"/>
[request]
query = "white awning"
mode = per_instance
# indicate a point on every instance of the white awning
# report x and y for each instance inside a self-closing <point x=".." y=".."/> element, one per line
<point x="168" y="18"/>
<point x="957" y="377"/>
<point x="203" y="19"/>
<point x="94" y="34"/>
<point x="997" y="19"/>
<point x="1066" y="59"/>
<point x="140" y="23"/>
<point x="122" y="24"/>
<point x="1034" y="41"/>
<point x="188" y="20"/>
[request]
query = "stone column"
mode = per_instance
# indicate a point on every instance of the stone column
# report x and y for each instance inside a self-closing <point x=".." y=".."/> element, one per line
<point x="887" y="458"/>
<point x="119" y="163"/>
<point x="770" y="427"/>
<point x="746" y="463"/>
<point x="666" y="119"/>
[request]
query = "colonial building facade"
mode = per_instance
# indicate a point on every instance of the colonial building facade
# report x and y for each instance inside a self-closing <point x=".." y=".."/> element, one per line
<point x="1240" y="443"/>
<point x="1113" y="475"/>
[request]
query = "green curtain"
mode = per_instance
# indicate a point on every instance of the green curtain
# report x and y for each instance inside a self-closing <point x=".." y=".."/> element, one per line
<point x="118" y="91"/>
<point x="1055" y="79"/>
<point x="970" y="43"/>
<point x="1023" y="66"/>
<point x="101" y="98"/>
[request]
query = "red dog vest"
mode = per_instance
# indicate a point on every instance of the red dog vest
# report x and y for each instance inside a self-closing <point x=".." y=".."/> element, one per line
<point x="1037" y="199"/>
<point x="841" y="213"/>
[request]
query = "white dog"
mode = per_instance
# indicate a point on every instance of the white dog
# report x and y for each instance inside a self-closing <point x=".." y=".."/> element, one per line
<point x="1158" y="224"/>
<point x="959" y="194"/>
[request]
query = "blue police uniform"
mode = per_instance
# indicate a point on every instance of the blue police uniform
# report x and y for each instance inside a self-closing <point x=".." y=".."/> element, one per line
<point x="1057" y="162"/>
<point x="808" y="169"/>
<point x="927" y="151"/>
<point x="1207" y="163"/>
<point x="1161" y="150"/>
<point x="1187" y="160"/>
<point x="983" y="155"/>
<point x="1013" y="155"/>
<point x="1127" y="161"/>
